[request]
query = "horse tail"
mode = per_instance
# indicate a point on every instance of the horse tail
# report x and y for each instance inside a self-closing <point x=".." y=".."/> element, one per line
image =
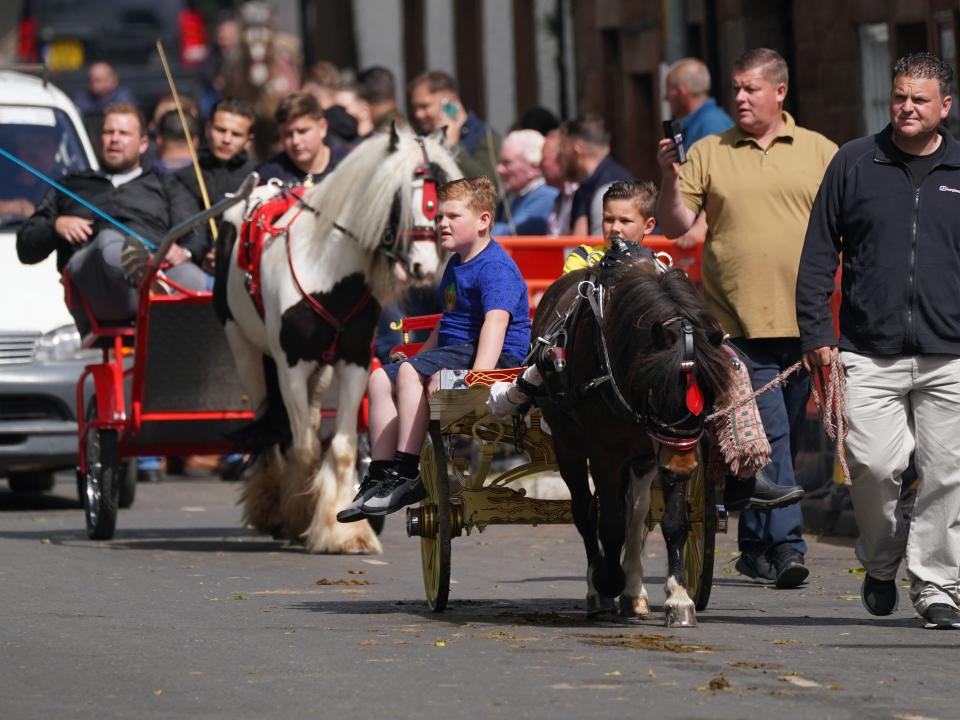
<point x="271" y="426"/>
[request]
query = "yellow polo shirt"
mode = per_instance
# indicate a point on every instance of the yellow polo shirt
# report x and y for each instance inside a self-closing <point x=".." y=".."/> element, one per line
<point x="757" y="203"/>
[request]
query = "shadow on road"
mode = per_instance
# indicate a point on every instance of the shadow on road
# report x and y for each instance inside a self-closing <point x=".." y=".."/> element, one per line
<point x="533" y="612"/>
<point x="19" y="502"/>
<point x="212" y="539"/>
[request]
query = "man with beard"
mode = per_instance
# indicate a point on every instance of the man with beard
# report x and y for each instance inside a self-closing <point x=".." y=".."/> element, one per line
<point x="90" y="247"/>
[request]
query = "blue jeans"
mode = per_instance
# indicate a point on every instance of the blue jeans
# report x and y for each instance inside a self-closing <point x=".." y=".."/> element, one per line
<point x="782" y="410"/>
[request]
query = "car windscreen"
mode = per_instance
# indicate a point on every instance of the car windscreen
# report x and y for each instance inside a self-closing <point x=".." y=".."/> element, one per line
<point x="43" y="138"/>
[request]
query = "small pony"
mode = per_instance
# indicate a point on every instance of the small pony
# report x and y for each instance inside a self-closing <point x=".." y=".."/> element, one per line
<point x="643" y="365"/>
<point x="341" y="251"/>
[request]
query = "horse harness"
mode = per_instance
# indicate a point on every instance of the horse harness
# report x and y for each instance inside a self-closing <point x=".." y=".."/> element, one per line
<point x="550" y="351"/>
<point x="259" y="229"/>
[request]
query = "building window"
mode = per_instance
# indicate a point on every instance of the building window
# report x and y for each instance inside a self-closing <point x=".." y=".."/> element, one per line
<point x="875" y="72"/>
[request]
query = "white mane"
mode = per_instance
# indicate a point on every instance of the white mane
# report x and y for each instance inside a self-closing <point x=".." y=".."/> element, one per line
<point x="359" y="193"/>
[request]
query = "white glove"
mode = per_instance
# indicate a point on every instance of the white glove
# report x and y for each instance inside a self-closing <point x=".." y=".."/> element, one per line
<point x="504" y="399"/>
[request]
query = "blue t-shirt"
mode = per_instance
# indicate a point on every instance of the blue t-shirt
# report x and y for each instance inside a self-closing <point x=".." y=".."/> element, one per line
<point x="468" y="291"/>
<point x="708" y="119"/>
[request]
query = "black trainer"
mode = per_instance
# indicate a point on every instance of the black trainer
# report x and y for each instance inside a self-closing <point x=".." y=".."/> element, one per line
<point x="758" y="493"/>
<point x="879" y="597"/>
<point x="788" y="568"/>
<point x="368" y="486"/>
<point x="755" y="565"/>
<point x="395" y="492"/>
<point x="941" y="616"/>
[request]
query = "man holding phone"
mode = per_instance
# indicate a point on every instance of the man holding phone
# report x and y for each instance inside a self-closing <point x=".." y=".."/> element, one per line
<point x="434" y="104"/>
<point x="756" y="182"/>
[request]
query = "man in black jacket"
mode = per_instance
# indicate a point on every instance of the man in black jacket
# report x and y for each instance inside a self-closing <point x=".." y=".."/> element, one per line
<point x="88" y="246"/>
<point x="891" y="204"/>
<point x="224" y="163"/>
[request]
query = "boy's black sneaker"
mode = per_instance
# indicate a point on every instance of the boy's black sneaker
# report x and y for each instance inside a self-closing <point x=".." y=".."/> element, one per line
<point x="879" y="596"/>
<point x="395" y="492"/>
<point x="788" y="567"/>
<point x="755" y="565"/>
<point x="941" y="616"/>
<point x="368" y="486"/>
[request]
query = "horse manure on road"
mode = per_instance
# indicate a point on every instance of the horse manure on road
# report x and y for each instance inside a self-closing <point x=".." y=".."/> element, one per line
<point x="641" y="641"/>
<point x="351" y="581"/>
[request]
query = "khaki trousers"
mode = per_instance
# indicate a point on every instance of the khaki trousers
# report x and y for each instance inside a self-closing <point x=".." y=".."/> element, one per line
<point x="897" y="406"/>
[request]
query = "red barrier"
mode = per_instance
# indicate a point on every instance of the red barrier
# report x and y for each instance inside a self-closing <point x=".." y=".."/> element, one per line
<point x="540" y="259"/>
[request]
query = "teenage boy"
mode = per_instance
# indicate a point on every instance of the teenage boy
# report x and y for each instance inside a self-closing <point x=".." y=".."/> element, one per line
<point x="306" y="157"/>
<point x="224" y="163"/>
<point x="485" y="324"/>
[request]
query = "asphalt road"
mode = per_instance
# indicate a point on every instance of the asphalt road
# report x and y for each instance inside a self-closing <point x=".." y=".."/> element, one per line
<point x="185" y="614"/>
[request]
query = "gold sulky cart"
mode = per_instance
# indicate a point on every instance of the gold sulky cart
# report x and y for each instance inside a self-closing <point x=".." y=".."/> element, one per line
<point x="463" y="494"/>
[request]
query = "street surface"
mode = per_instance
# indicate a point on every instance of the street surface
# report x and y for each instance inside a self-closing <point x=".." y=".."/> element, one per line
<point x="185" y="614"/>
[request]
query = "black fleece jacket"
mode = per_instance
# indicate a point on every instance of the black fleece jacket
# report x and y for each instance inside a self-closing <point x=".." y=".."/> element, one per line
<point x="142" y="204"/>
<point x="220" y="177"/>
<point x="901" y="253"/>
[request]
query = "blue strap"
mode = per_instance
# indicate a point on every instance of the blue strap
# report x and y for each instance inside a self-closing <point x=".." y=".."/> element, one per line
<point x="74" y="196"/>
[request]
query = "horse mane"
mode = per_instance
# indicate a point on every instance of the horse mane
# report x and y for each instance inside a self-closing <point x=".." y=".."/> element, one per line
<point x="646" y="355"/>
<point x="358" y="195"/>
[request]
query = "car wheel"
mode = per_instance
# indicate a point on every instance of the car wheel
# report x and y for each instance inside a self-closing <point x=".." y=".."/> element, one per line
<point x="128" y="484"/>
<point x="102" y="481"/>
<point x="31" y="482"/>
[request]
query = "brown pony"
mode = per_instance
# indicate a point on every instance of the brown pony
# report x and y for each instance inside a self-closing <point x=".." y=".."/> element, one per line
<point x="644" y="365"/>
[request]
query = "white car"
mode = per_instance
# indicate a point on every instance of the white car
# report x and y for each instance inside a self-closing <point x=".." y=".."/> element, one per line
<point x="40" y="354"/>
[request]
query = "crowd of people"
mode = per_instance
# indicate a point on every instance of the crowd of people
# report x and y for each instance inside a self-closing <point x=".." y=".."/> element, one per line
<point x="777" y="204"/>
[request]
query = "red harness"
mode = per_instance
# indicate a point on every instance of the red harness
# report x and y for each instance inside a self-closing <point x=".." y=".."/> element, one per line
<point x="253" y="235"/>
<point x="257" y="227"/>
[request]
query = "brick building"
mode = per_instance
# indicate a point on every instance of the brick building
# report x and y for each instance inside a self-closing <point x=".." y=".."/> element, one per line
<point x="839" y="55"/>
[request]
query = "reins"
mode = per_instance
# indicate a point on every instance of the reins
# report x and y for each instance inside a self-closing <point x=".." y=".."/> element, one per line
<point x="829" y="397"/>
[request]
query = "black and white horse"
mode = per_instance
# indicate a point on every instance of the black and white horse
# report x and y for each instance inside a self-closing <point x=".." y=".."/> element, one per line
<point x="340" y="254"/>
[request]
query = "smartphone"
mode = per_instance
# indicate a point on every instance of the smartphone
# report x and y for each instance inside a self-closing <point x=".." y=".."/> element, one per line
<point x="673" y="129"/>
<point x="449" y="108"/>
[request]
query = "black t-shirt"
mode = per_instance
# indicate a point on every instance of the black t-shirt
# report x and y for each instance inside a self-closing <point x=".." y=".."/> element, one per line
<point x="282" y="167"/>
<point x="608" y="171"/>
<point x="920" y="165"/>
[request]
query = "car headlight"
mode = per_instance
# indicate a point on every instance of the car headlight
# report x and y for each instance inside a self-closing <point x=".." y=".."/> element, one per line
<point x="62" y="344"/>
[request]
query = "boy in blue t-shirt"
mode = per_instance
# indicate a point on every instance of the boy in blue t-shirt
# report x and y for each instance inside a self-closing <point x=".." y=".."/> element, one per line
<point x="485" y="325"/>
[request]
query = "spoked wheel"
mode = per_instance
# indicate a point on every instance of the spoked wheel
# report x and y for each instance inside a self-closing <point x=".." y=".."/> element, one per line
<point x="433" y="519"/>
<point x="101" y="484"/>
<point x="698" y="552"/>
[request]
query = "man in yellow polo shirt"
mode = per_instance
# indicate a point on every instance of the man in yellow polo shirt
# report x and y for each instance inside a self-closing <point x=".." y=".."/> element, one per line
<point x="756" y="182"/>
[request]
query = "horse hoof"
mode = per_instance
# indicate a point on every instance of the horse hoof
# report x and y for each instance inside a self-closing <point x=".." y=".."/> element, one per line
<point x="634" y="608"/>
<point x="681" y="617"/>
<point x="600" y="605"/>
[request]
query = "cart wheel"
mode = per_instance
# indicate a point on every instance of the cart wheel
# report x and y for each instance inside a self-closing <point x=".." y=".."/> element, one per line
<point x="435" y="540"/>
<point x="698" y="552"/>
<point x="101" y="494"/>
<point x="128" y="484"/>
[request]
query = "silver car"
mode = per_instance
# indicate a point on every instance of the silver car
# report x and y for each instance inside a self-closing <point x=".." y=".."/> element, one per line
<point x="40" y="354"/>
